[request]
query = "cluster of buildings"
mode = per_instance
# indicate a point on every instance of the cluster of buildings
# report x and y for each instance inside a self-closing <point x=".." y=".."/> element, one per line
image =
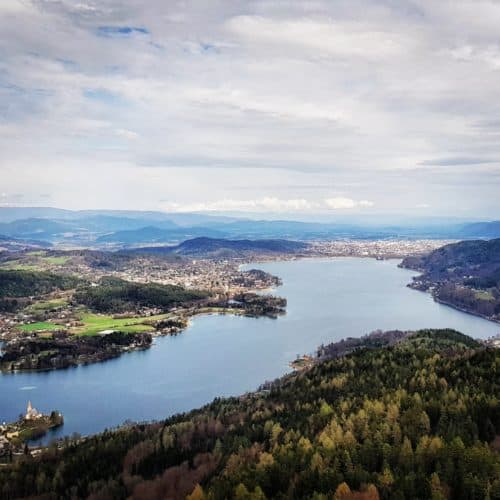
<point x="10" y="431"/>
<point x="202" y="274"/>
<point x="379" y="249"/>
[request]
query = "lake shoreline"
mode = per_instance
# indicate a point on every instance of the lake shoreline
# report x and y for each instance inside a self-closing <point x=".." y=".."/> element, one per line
<point x="223" y="355"/>
<point x="19" y="356"/>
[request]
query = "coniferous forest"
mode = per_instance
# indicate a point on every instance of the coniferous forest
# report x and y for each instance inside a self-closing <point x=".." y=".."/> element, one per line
<point x="417" y="420"/>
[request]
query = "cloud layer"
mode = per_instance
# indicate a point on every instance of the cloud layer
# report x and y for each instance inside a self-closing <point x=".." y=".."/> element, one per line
<point x="268" y="205"/>
<point x="279" y="106"/>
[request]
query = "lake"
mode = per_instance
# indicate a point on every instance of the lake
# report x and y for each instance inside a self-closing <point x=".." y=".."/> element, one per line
<point x="228" y="355"/>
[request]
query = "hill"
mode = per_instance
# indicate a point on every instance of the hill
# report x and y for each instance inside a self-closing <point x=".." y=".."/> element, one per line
<point x="154" y="234"/>
<point x="11" y="244"/>
<point x="222" y="248"/>
<point x="116" y="295"/>
<point x="465" y="275"/>
<point x="21" y="283"/>
<point x="415" y="420"/>
<point x="35" y="228"/>
<point x="16" y="286"/>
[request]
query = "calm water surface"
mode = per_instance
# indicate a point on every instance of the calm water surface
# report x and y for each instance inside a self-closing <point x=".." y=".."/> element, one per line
<point x="226" y="355"/>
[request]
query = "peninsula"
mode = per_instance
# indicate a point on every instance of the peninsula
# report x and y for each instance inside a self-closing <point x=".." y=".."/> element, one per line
<point x="464" y="275"/>
<point x="32" y="425"/>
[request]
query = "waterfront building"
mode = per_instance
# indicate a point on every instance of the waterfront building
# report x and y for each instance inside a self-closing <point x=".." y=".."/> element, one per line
<point x="31" y="413"/>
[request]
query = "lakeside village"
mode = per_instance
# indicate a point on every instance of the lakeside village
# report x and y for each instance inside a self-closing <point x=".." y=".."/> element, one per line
<point x="32" y="425"/>
<point x="222" y="280"/>
<point x="67" y="328"/>
<point x="54" y="330"/>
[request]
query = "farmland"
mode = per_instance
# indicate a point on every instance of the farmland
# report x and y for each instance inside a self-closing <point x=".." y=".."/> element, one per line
<point x="93" y="324"/>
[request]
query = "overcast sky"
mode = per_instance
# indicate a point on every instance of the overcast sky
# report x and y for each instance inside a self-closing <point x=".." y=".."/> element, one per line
<point x="305" y="107"/>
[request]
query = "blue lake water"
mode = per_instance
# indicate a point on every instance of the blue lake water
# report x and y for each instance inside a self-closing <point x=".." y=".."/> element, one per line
<point x="226" y="355"/>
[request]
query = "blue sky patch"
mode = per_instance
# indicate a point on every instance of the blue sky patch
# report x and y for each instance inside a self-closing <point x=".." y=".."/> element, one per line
<point x="123" y="31"/>
<point x="208" y="47"/>
<point x="104" y="96"/>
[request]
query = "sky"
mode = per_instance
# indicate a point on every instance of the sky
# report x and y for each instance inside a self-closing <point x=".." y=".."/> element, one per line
<point x="296" y="108"/>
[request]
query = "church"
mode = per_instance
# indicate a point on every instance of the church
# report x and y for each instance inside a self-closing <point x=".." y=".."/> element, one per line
<point x="31" y="413"/>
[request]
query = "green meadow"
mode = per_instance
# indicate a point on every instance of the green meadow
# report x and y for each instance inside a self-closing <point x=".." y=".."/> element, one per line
<point x="40" y="325"/>
<point x="95" y="323"/>
<point x="484" y="295"/>
<point x="56" y="261"/>
<point x="34" y="261"/>
<point x="47" y="305"/>
<point x="19" y="265"/>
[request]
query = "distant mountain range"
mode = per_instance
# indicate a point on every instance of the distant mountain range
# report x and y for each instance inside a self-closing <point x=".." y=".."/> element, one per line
<point x="481" y="230"/>
<point x="11" y="214"/>
<point x="153" y="234"/>
<point x="121" y="229"/>
<point x="15" y="244"/>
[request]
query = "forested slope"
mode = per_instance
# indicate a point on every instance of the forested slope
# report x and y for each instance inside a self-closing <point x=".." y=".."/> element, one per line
<point x="464" y="274"/>
<point x="117" y="295"/>
<point x="17" y="285"/>
<point x="21" y="283"/>
<point x="416" y="420"/>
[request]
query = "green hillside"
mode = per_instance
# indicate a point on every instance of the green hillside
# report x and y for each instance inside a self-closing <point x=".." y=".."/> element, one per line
<point x="116" y="295"/>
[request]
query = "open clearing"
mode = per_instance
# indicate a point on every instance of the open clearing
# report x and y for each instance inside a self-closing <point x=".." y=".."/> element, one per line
<point x="484" y="295"/>
<point x="35" y="261"/>
<point x="39" y="326"/>
<point x="95" y="323"/>
<point x="56" y="261"/>
<point x="19" y="265"/>
<point x="48" y="305"/>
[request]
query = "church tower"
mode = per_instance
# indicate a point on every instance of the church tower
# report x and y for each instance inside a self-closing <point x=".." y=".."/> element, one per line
<point x="31" y="413"/>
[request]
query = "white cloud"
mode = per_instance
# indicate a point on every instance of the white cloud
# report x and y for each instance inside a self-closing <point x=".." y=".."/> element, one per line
<point x="268" y="204"/>
<point x="351" y="95"/>
<point x="127" y="134"/>
<point x="341" y="203"/>
<point x="320" y="37"/>
<point x="228" y="205"/>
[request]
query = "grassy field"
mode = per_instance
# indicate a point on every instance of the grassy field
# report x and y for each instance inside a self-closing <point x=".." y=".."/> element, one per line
<point x="95" y="323"/>
<point x="19" y="265"/>
<point x="41" y="325"/>
<point x="48" y="305"/>
<point x="56" y="261"/>
<point x="34" y="261"/>
<point x="484" y="295"/>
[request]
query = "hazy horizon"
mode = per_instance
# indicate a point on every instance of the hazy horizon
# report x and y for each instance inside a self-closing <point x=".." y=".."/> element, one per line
<point x="322" y="218"/>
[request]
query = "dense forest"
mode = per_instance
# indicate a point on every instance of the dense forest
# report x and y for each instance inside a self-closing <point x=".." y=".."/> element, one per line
<point x="117" y="295"/>
<point x="465" y="275"/>
<point x="204" y="247"/>
<point x="18" y="284"/>
<point x="63" y="351"/>
<point x="415" y="420"/>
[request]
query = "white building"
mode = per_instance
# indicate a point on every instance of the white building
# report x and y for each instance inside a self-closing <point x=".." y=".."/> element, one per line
<point x="31" y="413"/>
